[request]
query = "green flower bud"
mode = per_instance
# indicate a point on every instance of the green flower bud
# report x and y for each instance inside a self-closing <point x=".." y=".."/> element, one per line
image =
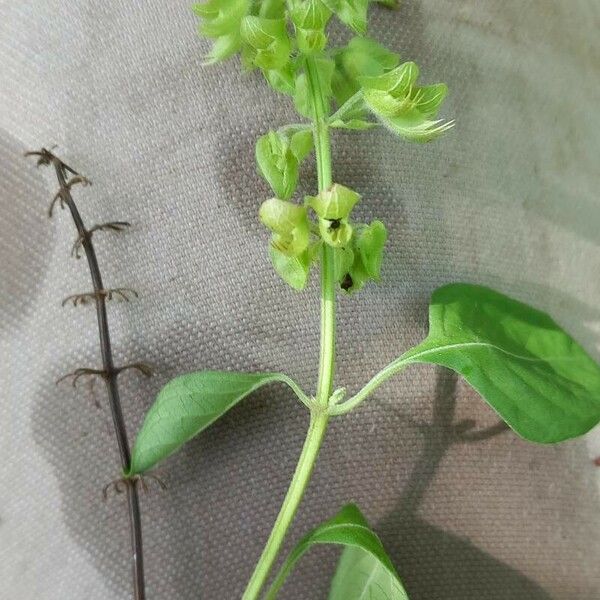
<point x="289" y="224"/>
<point x="268" y="45"/>
<point x="335" y="203"/>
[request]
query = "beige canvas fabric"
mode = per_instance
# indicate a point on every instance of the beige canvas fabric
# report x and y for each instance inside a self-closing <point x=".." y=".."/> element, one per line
<point x="508" y="199"/>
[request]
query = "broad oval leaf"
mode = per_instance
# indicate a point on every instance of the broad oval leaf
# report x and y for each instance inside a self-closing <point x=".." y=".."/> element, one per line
<point x="538" y="379"/>
<point x="348" y="528"/>
<point x="362" y="576"/>
<point x="189" y="404"/>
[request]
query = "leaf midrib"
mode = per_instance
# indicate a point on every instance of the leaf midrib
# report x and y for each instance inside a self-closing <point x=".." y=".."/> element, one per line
<point x="448" y="347"/>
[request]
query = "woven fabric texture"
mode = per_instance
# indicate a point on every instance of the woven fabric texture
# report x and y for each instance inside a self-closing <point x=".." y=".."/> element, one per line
<point x="508" y="199"/>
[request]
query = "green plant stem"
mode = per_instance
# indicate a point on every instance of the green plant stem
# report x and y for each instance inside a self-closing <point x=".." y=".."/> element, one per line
<point x="319" y="416"/>
<point x="323" y="154"/>
<point x="304" y="468"/>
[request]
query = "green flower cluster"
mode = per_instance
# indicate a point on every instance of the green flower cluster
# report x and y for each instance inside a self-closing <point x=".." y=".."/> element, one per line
<point x="300" y="230"/>
<point x="366" y="85"/>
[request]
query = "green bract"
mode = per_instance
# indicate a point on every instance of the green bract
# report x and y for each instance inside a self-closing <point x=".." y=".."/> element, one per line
<point x="283" y="79"/>
<point x="351" y="12"/>
<point x="271" y="9"/>
<point x="310" y="18"/>
<point x="267" y="45"/>
<point x="289" y="225"/>
<point x="294" y="270"/>
<point x="278" y="158"/>
<point x="222" y="21"/>
<point x="361" y="57"/>
<point x="333" y="207"/>
<point x="367" y="254"/>
<point x="370" y="242"/>
<point x="335" y="203"/>
<point x="404" y="107"/>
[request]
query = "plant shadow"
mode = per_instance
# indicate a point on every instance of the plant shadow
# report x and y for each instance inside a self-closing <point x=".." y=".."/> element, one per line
<point x="434" y="563"/>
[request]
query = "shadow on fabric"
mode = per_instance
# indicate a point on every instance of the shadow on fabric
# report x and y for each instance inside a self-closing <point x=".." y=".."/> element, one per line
<point x="435" y="564"/>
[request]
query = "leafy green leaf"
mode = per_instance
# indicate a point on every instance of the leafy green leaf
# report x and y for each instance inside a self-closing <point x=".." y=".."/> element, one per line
<point x="528" y="369"/>
<point x="189" y="404"/>
<point x="360" y="575"/>
<point x="348" y="528"/>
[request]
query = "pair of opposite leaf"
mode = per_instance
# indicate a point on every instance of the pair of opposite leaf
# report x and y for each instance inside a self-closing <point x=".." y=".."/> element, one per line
<point x="532" y="373"/>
